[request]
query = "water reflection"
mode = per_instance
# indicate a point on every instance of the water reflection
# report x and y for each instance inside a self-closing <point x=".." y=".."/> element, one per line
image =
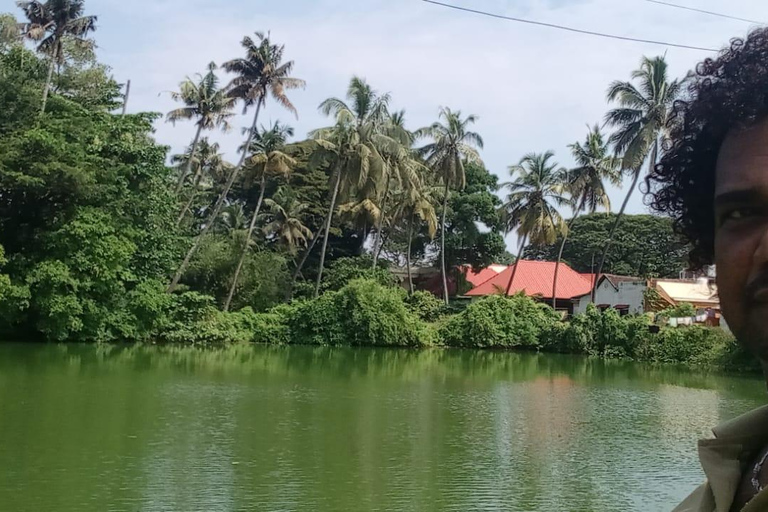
<point x="301" y="428"/>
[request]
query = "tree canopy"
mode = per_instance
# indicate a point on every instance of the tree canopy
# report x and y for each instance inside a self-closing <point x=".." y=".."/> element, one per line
<point x="644" y="246"/>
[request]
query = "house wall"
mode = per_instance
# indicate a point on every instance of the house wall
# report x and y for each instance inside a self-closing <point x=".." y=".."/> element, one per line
<point x="630" y="293"/>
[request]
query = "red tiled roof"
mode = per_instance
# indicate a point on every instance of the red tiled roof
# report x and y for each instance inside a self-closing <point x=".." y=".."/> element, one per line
<point x="535" y="277"/>
<point x="478" y="278"/>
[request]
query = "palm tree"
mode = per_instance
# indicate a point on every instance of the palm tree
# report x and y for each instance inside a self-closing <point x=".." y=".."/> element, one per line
<point x="402" y="165"/>
<point x="51" y="23"/>
<point x="205" y="101"/>
<point x="643" y="121"/>
<point x="531" y="206"/>
<point x="354" y="145"/>
<point x="452" y="144"/>
<point x="209" y="165"/>
<point x="260" y="74"/>
<point x="231" y="220"/>
<point x="268" y="160"/>
<point x="586" y="184"/>
<point x="286" y="225"/>
<point x="415" y="204"/>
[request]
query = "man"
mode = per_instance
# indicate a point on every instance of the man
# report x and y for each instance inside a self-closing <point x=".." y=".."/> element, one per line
<point x="713" y="180"/>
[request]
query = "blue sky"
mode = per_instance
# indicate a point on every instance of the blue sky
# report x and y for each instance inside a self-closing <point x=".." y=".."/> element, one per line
<point x="533" y="88"/>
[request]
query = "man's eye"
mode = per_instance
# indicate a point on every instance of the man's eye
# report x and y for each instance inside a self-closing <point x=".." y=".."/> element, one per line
<point x="738" y="214"/>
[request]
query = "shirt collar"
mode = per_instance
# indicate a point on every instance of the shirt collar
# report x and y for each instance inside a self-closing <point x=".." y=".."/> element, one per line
<point x="722" y="457"/>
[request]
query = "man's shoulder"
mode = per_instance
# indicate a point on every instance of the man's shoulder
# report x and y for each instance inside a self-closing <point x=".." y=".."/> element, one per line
<point x="700" y="500"/>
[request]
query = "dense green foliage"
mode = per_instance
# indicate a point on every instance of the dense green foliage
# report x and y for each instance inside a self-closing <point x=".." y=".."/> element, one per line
<point x="93" y="223"/>
<point x="644" y="245"/>
<point x="499" y="322"/>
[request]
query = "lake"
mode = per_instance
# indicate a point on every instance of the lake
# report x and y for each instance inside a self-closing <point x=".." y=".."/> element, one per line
<point x="105" y="428"/>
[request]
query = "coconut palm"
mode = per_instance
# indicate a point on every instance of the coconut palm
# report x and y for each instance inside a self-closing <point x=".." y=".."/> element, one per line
<point x="416" y="205"/>
<point x="208" y="164"/>
<point x="49" y="24"/>
<point x="585" y="184"/>
<point x="286" y="224"/>
<point x="452" y="144"/>
<point x="531" y="206"/>
<point x="206" y="102"/>
<point x="268" y="160"/>
<point x="231" y="220"/>
<point x="261" y="73"/>
<point x="403" y="167"/>
<point x="354" y="145"/>
<point x="643" y="121"/>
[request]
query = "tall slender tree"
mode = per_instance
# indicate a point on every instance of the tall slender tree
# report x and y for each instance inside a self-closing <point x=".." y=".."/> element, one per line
<point x="205" y="102"/>
<point x="403" y="167"/>
<point x="585" y="184"/>
<point x="452" y="144"/>
<point x="268" y="160"/>
<point x="208" y="165"/>
<point x="531" y="205"/>
<point x="49" y="24"/>
<point x="354" y="146"/>
<point x="261" y="73"/>
<point x="415" y="204"/>
<point x="643" y="120"/>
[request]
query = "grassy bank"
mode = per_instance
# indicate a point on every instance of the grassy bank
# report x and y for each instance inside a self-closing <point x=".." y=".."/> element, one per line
<point x="368" y="313"/>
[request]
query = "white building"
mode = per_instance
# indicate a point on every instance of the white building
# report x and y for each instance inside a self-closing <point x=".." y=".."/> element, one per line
<point x="620" y="292"/>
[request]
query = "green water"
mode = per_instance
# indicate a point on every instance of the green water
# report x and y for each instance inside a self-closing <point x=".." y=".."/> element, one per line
<point x="84" y="428"/>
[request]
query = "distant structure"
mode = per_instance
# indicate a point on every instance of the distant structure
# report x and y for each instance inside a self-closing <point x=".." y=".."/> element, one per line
<point x="535" y="278"/>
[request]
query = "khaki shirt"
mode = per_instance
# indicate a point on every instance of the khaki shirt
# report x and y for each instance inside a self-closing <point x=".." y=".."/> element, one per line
<point x="723" y="459"/>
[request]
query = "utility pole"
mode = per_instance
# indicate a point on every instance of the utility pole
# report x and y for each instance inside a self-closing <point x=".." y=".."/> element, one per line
<point x="127" y="93"/>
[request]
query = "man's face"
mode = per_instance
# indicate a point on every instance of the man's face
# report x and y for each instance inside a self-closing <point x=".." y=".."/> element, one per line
<point x="741" y="235"/>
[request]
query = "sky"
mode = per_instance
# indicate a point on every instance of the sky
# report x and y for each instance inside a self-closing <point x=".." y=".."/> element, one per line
<point x="533" y="88"/>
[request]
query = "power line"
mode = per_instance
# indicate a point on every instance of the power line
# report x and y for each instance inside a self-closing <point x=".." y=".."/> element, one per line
<point x="569" y="29"/>
<point x="705" y="12"/>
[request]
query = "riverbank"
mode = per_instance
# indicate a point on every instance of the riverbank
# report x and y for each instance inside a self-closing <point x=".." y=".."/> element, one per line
<point x="368" y="313"/>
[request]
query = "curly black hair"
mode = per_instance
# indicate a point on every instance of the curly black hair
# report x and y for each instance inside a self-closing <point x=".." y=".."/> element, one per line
<point x="724" y="94"/>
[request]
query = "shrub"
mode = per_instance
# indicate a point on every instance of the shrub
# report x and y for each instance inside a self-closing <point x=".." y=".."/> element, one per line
<point x="362" y="313"/>
<point x="605" y="333"/>
<point x="425" y="306"/>
<point x="194" y="319"/>
<point x="344" y="270"/>
<point x="695" y="345"/>
<point x="498" y="321"/>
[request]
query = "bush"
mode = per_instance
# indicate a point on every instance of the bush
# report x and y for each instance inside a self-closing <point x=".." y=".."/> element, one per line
<point x="498" y="321"/>
<point x="194" y="319"/>
<point x="345" y="270"/>
<point x="605" y="334"/>
<point x="425" y="306"/>
<point x="695" y="345"/>
<point x="364" y="313"/>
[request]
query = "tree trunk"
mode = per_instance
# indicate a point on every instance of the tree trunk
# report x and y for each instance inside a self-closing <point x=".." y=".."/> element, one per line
<point x="188" y="167"/>
<point x="47" y="88"/>
<point x="251" y="227"/>
<point x="408" y="253"/>
<point x="304" y="258"/>
<point x="376" y="242"/>
<point x="442" y="244"/>
<point x="327" y="230"/>
<point x="654" y="155"/>
<point x="560" y="253"/>
<point x="517" y="261"/>
<point x="192" y="196"/>
<point x="217" y="207"/>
